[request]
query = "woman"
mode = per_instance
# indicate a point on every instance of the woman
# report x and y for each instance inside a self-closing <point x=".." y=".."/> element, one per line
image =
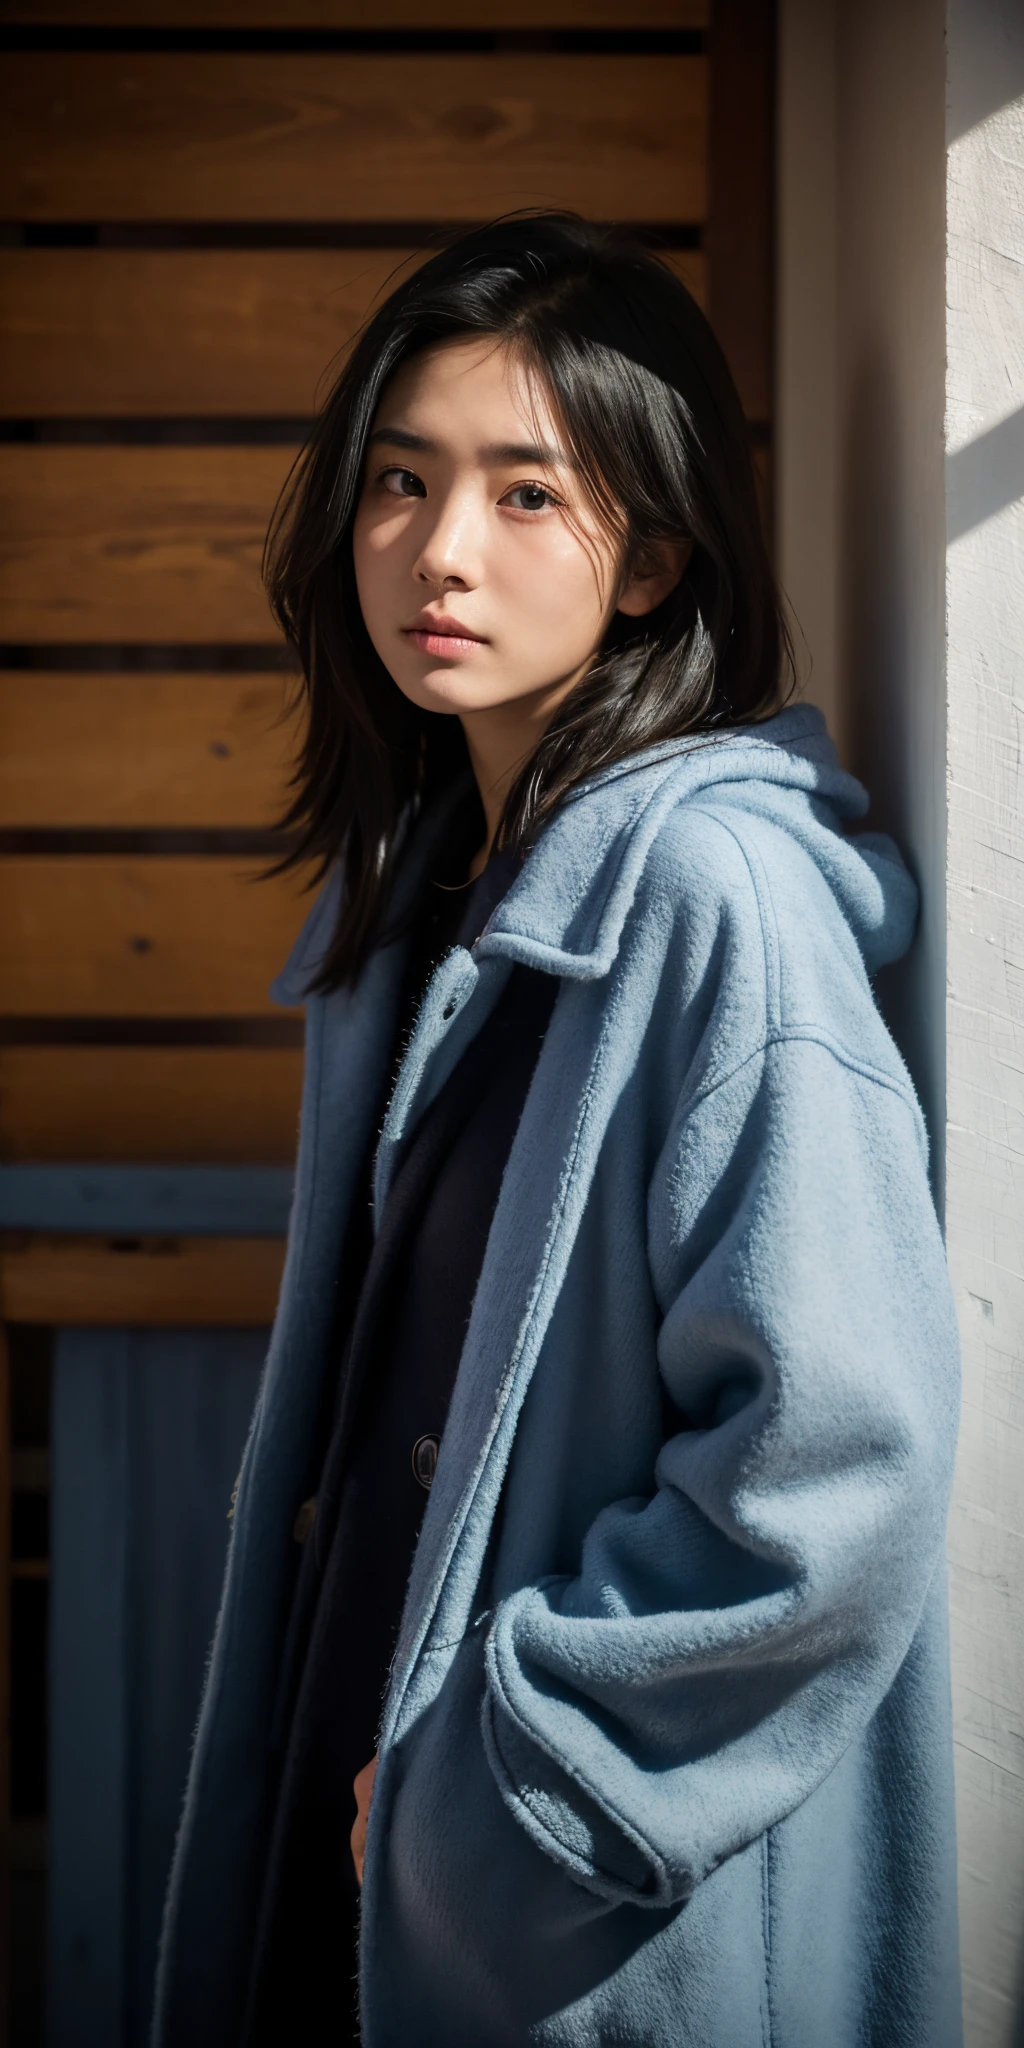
<point x="646" y="1370"/>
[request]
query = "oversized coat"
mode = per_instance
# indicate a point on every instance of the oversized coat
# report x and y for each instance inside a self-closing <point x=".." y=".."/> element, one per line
<point x="665" y="1754"/>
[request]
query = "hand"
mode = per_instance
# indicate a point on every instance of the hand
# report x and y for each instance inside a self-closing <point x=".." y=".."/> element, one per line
<point x="362" y="1786"/>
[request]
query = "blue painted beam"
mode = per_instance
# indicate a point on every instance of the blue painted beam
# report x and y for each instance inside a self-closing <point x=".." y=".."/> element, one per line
<point x="147" y="1201"/>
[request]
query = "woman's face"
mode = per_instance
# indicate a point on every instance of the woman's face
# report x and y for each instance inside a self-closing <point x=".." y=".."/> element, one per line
<point x="482" y="574"/>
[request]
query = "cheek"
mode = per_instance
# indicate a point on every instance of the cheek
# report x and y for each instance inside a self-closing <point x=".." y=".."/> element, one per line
<point x="375" y="545"/>
<point x="559" y="588"/>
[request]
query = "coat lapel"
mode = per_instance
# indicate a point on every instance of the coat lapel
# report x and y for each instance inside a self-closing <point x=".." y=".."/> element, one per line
<point x="544" y="1192"/>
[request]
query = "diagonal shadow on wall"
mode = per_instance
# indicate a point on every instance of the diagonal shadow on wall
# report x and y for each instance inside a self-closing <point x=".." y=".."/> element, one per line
<point x="985" y="476"/>
<point x="996" y="73"/>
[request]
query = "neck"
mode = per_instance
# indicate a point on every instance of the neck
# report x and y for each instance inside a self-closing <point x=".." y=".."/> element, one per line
<point x="495" y="768"/>
<point x="500" y="741"/>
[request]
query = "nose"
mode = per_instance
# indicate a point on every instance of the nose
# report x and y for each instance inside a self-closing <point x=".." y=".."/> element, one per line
<point x="449" y="558"/>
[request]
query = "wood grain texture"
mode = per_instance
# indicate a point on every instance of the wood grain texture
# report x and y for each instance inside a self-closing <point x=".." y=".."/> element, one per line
<point x="169" y="1282"/>
<point x="277" y="137"/>
<point x="135" y="544"/>
<point x="362" y="14"/>
<point x="117" y="332"/>
<point x="148" y="937"/>
<point x="224" y="1105"/>
<point x="87" y="749"/>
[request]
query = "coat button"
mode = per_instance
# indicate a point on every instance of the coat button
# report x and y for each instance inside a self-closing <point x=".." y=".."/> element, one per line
<point x="302" y="1526"/>
<point x="424" y="1459"/>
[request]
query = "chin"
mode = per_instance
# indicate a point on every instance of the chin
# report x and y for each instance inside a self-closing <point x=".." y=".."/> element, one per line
<point x="443" y="690"/>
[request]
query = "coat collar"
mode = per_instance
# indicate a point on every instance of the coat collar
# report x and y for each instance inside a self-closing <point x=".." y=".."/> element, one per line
<point x="566" y="909"/>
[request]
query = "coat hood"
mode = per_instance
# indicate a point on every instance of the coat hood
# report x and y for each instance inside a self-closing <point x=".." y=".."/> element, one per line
<point x="566" y="909"/>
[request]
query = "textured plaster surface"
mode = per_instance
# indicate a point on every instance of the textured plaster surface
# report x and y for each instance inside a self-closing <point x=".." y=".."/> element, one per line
<point x="985" y="988"/>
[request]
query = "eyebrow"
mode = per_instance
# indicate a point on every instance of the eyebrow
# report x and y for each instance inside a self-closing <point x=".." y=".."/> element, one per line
<point x="495" y="451"/>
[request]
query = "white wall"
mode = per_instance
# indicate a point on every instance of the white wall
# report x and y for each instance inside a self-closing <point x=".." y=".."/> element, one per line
<point x="864" y="275"/>
<point x="985" y="941"/>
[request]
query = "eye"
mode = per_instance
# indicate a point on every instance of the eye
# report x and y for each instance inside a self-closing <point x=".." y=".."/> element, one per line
<point x="529" y="498"/>
<point x="403" y="483"/>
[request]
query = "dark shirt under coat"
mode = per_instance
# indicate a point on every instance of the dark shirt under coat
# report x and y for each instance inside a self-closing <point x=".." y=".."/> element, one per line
<point x="398" y="1373"/>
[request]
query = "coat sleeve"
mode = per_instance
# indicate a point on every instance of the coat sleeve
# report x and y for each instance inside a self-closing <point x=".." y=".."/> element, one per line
<point x="730" y="1634"/>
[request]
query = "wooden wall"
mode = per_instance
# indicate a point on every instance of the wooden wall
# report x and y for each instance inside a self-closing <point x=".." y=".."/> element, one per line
<point x="202" y="203"/>
<point x="199" y="202"/>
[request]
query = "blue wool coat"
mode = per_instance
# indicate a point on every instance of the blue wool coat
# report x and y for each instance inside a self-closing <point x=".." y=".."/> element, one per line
<point x="665" y="1757"/>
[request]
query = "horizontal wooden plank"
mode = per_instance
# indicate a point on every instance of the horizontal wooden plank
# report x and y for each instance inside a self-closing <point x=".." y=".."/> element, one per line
<point x="86" y="749"/>
<point x="218" y="1104"/>
<point x="168" y="1281"/>
<point x="136" y="544"/>
<point x="116" y="332"/>
<point x="105" y="937"/>
<point x="361" y="14"/>
<point x="104" y="136"/>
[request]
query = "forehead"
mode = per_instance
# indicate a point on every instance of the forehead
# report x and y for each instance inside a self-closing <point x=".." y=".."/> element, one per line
<point x="465" y="389"/>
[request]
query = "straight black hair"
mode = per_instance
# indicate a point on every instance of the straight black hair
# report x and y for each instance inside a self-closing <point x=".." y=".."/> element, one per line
<point x="654" y="426"/>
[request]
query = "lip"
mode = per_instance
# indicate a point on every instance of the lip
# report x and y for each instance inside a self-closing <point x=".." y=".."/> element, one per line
<point x="435" y="633"/>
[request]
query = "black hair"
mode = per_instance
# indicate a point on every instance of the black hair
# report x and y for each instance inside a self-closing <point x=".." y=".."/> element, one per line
<point x="641" y="390"/>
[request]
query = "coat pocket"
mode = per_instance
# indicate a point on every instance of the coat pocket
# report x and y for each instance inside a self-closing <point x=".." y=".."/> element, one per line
<point x="477" y="1934"/>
